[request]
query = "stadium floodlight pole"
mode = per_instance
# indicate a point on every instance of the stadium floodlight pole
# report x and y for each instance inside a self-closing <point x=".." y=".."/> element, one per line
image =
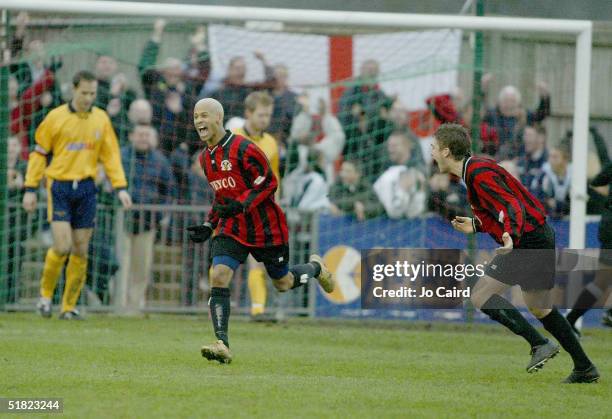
<point x="582" y="29"/>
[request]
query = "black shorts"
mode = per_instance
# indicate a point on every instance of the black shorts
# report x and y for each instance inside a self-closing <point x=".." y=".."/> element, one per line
<point x="276" y="256"/>
<point x="531" y="265"/>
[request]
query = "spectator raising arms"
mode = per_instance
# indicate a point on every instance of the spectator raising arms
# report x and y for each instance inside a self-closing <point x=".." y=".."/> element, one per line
<point x="33" y="64"/>
<point x="364" y="98"/>
<point x="33" y="90"/>
<point x="198" y="62"/>
<point x="170" y="93"/>
<point x="234" y="88"/>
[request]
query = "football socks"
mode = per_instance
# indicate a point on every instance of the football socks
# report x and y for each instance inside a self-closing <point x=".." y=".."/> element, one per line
<point x="503" y="312"/>
<point x="219" y="304"/>
<point x="558" y="326"/>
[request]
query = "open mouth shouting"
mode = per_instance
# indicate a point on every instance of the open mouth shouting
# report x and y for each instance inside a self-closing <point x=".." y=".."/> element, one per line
<point x="203" y="131"/>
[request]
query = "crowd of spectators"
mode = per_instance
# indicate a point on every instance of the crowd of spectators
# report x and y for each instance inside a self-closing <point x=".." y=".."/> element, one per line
<point x="363" y="161"/>
<point x="370" y="128"/>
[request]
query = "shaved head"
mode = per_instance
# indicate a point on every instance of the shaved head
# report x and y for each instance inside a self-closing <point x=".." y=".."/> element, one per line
<point x="208" y="120"/>
<point x="211" y="105"/>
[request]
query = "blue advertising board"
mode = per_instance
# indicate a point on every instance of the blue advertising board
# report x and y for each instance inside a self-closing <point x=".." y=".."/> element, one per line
<point x="342" y="238"/>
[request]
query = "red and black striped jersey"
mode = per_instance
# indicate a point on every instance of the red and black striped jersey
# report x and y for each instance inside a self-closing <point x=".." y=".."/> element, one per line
<point x="237" y="169"/>
<point x="499" y="201"/>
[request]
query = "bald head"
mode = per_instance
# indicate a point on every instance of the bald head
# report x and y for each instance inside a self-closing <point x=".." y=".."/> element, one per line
<point x="140" y="112"/>
<point x="208" y="120"/>
<point x="210" y="105"/>
<point x="173" y="71"/>
<point x="509" y="101"/>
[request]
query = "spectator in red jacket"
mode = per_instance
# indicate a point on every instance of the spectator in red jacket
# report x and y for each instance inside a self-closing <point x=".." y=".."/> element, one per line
<point x="25" y="108"/>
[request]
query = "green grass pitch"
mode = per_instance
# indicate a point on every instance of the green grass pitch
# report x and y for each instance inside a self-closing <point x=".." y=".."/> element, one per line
<point x="112" y="367"/>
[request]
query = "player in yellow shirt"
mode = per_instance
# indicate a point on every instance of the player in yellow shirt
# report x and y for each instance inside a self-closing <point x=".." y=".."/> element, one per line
<point x="258" y="112"/>
<point x="69" y="143"/>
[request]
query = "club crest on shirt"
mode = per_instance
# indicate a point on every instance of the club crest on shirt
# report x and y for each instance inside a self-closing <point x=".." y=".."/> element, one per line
<point x="98" y="135"/>
<point x="226" y="166"/>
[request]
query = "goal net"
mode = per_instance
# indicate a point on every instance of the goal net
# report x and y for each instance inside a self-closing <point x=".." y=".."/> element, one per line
<point x="353" y="111"/>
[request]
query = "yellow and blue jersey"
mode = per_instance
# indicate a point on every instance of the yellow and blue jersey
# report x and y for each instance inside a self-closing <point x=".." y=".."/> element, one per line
<point x="268" y="145"/>
<point x="74" y="142"/>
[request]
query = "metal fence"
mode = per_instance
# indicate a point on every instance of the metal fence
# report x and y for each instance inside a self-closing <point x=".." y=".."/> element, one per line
<point x="147" y="239"/>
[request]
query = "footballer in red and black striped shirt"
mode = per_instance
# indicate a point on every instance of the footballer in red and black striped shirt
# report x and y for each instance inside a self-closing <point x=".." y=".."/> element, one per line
<point x="507" y="211"/>
<point x="245" y="218"/>
<point x="499" y="201"/>
<point x="239" y="172"/>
